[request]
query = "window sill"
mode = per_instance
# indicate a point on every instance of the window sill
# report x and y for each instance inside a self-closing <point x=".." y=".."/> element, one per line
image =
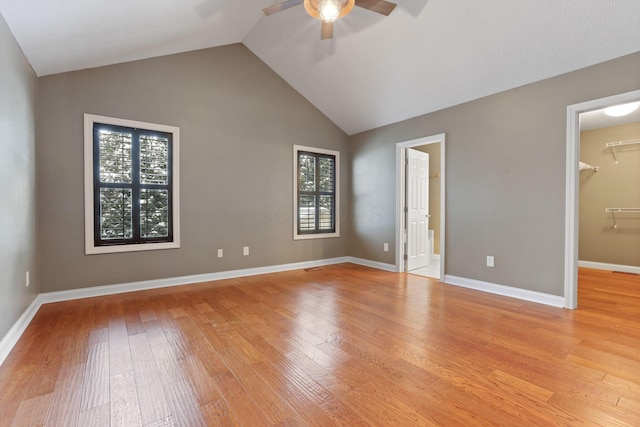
<point x="93" y="250"/>
<point x="315" y="236"/>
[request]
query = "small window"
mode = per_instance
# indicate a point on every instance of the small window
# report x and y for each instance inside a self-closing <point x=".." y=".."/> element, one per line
<point x="316" y="193"/>
<point x="131" y="185"/>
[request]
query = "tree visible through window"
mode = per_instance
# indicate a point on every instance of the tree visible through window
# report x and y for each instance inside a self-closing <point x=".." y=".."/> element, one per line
<point x="132" y="185"/>
<point x="316" y="192"/>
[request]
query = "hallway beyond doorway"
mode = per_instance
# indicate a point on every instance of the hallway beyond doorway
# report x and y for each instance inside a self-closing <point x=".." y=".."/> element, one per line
<point x="432" y="270"/>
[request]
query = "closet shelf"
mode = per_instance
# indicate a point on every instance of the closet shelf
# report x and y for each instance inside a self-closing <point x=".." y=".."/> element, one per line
<point x="615" y="144"/>
<point x="622" y="213"/>
<point x="586" y="166"/>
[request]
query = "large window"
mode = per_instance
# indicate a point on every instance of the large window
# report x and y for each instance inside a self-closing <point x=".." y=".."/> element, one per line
<point x="131" y="185"/>
<point x="316" y="193"/>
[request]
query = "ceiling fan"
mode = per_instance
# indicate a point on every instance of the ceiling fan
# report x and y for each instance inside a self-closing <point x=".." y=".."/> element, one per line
<point x="330" y="10"/>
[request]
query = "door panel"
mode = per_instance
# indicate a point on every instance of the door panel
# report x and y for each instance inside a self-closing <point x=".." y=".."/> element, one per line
<point x="417" y="200"/>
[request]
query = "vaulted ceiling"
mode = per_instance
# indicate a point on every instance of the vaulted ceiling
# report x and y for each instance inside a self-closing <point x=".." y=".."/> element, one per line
<point x="427" y="55"/>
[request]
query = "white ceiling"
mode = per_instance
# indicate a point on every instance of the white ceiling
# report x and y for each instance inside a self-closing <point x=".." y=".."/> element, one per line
<point x="427" y="55"/>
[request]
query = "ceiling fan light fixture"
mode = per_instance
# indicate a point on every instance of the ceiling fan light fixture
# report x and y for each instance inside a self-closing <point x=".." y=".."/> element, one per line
<point x="329" y="10"/>
<point x="621" y="110"/>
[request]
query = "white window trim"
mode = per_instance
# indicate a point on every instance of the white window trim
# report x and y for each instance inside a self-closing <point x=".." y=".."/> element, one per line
<point x="90" y="247"/>
<point x="297" y="236"/>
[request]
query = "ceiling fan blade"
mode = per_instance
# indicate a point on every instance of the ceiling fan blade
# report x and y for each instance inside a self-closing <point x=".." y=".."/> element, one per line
<point x="279" y="7"/>
<point x="326" y="32"/>
<point x="379" y="6"/>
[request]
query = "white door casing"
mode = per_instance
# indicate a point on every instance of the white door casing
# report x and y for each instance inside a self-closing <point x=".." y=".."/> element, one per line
<point x="417" y="209"/>
<point x="572" y="187"/>
<point x="401" y="218"/>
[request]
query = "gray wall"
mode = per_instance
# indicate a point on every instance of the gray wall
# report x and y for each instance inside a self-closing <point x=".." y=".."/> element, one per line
<point x="238" y="123"/>
<point x="505" y="166"/>
<point x="613" y="186"/>
<point x="18" y="87"/>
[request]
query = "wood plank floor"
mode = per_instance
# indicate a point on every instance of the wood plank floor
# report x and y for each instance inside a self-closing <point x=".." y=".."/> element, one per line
<point x="341" y="345"/>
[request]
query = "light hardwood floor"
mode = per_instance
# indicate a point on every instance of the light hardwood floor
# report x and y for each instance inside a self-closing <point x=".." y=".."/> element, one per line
<point x="342" y="345"/>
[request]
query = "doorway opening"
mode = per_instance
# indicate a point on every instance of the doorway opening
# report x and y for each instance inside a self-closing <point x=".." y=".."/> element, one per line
<point x="572" y="187"/>
<point x="435" y="215"/>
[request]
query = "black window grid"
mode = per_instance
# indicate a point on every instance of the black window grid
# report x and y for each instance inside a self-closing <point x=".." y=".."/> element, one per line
<point x="135" y="186"/>
<point x="319" y="217"/>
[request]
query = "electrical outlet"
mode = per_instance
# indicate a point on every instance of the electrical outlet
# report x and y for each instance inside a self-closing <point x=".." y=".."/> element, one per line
<point x="220" y="253"/>
<point x="490" y="262"/>
<point x="386" y="247"/>
<point x="27" y="281"/>
<point x="245" y="250"/>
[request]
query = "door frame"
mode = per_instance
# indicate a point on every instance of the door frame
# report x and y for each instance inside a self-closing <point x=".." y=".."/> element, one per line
<point x="400" y="197"/>
<point x="572" y="187"/>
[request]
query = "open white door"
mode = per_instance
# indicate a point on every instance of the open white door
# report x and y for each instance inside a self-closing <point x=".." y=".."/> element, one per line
<point x="417" y="201"/>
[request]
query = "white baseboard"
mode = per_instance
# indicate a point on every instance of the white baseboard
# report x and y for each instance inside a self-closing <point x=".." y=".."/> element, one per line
<point x="11" y="338"/>
<point x="507" y="291"/>
<point x="97" y="291"/>
<point x="372" y="264"/>
<point x="609" y="267"/>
